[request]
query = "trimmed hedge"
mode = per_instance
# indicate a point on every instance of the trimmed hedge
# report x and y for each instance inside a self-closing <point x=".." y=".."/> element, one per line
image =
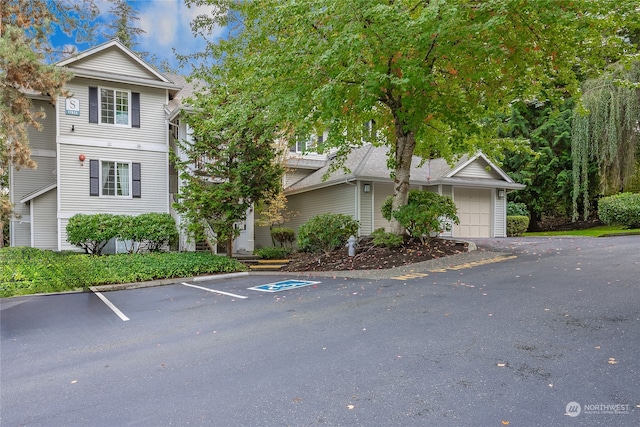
<point x="517" y="225"/>
<point x="151" y="231"/>
<point x="29" y="270"/>
<point x="621" y="209"/>
<point x="272" y="253"/>
<point x="517" y="209"/>
<point x="326" y="232"/>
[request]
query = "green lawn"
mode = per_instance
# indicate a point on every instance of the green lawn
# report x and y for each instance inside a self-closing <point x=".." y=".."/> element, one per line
<point x="599" y="231"/>
<point x="28" y="270"/>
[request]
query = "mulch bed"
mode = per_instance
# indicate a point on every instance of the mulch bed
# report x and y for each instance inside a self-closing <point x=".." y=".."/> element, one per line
<point x="370" y="257"/>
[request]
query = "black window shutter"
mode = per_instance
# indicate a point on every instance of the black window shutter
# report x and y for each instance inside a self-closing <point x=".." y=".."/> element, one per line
<point x="136" y="188"/>
<point x="93" y="104"/>
<point x="135" y="109"/>
<point x="94" y="178"/>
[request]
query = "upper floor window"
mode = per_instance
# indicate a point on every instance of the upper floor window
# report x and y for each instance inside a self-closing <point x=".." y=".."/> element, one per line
<point x="307" y="145"/>
<point x="114" y="107"/>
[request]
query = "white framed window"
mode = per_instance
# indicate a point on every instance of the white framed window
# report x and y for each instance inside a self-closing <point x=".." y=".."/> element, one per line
<point x="307" y="145"/>
<point x="115" y="178"/>
<point x="115" y="107"/>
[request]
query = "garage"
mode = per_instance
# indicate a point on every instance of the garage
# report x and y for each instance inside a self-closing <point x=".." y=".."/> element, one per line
<point x="474" y="211"/>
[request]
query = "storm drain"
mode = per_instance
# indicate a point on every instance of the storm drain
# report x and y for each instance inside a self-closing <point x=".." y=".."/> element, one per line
<point x="283" y="285"/>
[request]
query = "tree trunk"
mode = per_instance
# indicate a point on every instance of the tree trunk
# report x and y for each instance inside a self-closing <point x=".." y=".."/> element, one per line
<point x="405" y="146"/>
<point x="230" y="248"/>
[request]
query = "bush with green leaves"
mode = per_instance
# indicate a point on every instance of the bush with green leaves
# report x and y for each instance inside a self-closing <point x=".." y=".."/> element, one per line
<point x="425" y="215"/>
<point x="517" y="209"/>
<point x="272" y="253"/>
<point x="283" y="235"/>
<point x="29" y="270"/>
<point x="517" y="225"/>
<point x="326" y="232"/>
<point x="620" y="209"/>
<point x="93" y="232"/>
<point x="386" y="239"/>
<point x="151" y="232"/>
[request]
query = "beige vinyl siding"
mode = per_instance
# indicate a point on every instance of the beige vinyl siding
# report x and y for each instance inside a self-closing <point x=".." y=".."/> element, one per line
<point x="25" y="181"/>
<point x="115" y="61"/>
<point x="478" y="169"/>
<point x="45" y="224"/>
<point x="366" y="210"/>
<point x="500" y="215"/>
<point x="44" y="139"/>
<point x="262" y="236"/>
<point x="21" y="233"/>
<point x="335" y="199"/>
<point x="74" y="181"/>
<point x="381" y="192"/>
<point x="64" y="245"/>
<point x="153" y="128"/>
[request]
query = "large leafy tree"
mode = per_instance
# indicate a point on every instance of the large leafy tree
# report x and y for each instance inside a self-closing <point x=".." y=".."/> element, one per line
<point x="229" y="165"/>
<point x="605" y="133"/>
<point x="25" y="27"/>
<point x="426" y="72"/>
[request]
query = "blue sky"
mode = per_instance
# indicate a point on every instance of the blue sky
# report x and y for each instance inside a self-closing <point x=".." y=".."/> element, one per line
<point x="166" y="26"/>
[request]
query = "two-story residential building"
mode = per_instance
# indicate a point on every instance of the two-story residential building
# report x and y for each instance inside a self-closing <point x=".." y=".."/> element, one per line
<point x="103" y="149"/>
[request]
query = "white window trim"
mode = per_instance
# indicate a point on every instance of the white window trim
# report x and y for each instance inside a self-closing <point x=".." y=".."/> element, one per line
<point x="128" y="92"/>
<point x="115" y="196"/>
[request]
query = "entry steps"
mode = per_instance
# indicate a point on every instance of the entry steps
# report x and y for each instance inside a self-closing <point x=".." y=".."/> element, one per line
<point x="265" y="264"/>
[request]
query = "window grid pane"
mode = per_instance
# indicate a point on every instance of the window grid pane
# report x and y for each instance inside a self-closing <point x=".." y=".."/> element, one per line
<point x="123" y="179"/>
<point x="108" y="179"/>
<point x="122" y="108"/>
<point x="106" y="106"/>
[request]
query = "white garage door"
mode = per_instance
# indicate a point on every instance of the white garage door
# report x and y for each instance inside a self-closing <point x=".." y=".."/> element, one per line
<point x="474" y="211"/>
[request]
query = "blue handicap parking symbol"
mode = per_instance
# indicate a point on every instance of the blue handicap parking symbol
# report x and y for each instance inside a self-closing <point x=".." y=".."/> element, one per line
<point x="283" y="285"/>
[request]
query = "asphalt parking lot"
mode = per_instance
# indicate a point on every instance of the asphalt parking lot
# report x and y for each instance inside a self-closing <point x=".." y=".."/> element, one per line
<point x="525" y="332"/>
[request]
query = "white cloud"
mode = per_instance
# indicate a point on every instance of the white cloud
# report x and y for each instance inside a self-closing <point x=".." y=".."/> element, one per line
<point x="167" y="26"/>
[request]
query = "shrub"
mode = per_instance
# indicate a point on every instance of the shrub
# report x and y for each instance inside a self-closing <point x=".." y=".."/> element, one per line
<point x="30" y="270"/>
<point x="92" y="232"/>
<point x="517" y="209"/>
<point x="326" y="232"/>
<point x="517" y="225"/>
<point x="426" y="214"/>
<point x="621" y="209"/>
<point x="387" y="239"/>
<point x="283" y="235"/>
<point x="272" y="253"/>
<point x="152" y="232"/>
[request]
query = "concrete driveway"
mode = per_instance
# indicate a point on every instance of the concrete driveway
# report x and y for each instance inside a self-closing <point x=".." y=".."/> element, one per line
<point x="529" y="332"/>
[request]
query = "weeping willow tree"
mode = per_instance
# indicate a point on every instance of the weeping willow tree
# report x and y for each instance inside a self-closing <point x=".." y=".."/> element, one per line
<point x="605" y="131"/>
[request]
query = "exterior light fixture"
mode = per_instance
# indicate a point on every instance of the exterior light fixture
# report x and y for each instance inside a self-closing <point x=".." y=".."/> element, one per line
<point x="366" y="188"/>
<point x="82" y="158"/>
<point x="500" y="194"/>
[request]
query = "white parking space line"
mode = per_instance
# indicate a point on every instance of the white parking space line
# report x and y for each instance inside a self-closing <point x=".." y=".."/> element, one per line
<point x="215" y="291"/>
<point x="110" y="304"/>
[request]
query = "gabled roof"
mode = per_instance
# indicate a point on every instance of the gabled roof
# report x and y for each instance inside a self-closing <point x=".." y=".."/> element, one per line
<point x="77" y="64"/>
<point x="38" y="192"/>
<point x="187" y="90"/>
<point x="369" y="163"/>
